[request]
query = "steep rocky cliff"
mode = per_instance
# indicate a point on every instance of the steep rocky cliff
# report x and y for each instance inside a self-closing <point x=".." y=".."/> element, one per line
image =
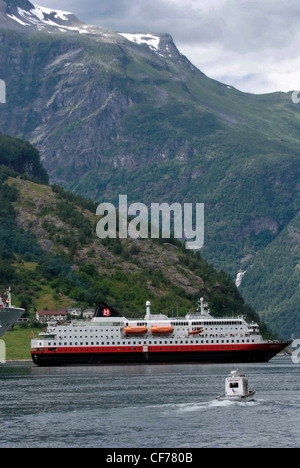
<point x="113" y="112"/>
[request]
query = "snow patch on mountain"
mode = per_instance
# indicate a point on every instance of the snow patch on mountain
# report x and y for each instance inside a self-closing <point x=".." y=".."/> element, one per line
<point x="17" y="20"/>
<point x="31" y="17"/>
<point x="59" y="14"/>
<point x="148" y="39"/>
<point x="42" y="17"/>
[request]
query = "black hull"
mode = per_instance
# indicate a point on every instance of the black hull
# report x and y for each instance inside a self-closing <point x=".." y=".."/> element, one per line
<point x="96" y="359"/>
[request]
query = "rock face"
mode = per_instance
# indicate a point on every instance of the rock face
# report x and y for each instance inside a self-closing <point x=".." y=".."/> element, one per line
<point x="115" y="112"/>
<point x="69" y="91"/>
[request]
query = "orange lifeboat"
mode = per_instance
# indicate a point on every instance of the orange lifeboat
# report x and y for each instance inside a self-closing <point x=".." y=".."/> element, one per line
<point x="135" y="330"/>
<point x="196" y="332"/>
<point x="162" y="330"/>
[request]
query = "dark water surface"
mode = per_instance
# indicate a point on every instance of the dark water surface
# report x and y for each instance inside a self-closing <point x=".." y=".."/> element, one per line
<point x="167" y="406"/>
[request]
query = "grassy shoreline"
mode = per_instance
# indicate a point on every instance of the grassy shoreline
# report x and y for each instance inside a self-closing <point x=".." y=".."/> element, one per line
<point x="18" y="343"/>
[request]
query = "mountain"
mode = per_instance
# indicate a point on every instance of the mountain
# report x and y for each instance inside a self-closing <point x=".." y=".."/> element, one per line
<point x="23" y="16"/>
<point x="278" y="296"/>
<point x="52" y="258"/>
<point x="126" y="113"/>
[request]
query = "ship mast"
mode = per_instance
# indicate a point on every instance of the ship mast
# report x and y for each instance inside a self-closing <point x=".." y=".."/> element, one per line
<point x="9" y="297"/>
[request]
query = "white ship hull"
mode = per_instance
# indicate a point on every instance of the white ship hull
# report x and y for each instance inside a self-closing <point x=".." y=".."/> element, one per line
<point x="8" y="317"/>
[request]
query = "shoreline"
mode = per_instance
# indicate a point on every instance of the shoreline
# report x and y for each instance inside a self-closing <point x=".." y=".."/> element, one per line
<point x="16" y="360"/>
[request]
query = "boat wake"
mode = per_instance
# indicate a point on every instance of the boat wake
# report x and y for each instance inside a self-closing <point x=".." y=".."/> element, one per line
<point x="214" y="404"/>
<point x="179" y="408"/>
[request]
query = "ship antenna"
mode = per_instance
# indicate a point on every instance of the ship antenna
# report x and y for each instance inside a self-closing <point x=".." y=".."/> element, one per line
<point x="9" y="297"/>
<point x="201" y="307"/>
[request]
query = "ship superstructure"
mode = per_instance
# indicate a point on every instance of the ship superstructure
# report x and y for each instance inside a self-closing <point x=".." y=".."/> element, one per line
<point x="111" y="338"/>
<point x="9" y="314"/>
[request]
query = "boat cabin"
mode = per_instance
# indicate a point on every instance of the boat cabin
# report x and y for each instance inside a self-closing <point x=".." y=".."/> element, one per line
<point x="236" y="385"/>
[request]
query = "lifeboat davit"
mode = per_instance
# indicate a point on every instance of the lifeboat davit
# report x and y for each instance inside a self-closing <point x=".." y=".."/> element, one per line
<point x="162" y="330"/>
<point x="135" y="330"/>
<point x="196" y="332"/>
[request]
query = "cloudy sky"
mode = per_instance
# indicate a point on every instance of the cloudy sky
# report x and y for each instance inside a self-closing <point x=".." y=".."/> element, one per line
<point x="253" y="45"/>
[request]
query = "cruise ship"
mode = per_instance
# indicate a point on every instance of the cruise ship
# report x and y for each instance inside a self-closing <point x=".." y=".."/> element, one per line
<point x="9" y="314"/>
<point x="110" y="338"/>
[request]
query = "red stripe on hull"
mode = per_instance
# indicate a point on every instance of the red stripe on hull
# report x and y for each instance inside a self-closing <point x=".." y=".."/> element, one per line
<point x="153" y="349"/>
<point x="261" y="352"/>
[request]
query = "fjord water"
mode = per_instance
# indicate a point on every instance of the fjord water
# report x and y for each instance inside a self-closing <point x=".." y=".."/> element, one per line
<point x="164" y="406"/>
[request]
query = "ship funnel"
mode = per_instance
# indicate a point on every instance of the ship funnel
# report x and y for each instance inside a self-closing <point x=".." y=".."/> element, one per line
<point x="148" y="310"/>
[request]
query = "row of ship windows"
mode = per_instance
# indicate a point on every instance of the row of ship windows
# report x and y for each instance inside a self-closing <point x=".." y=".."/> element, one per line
<point x="149" y="342"/>
<point x="116" y="331"/>
<point x="109" y="350"/>
<point x="86" y="330"/>
<point x="174" y="324"/>
<point x="221" y="335"/>
<point x="214" y="323"/>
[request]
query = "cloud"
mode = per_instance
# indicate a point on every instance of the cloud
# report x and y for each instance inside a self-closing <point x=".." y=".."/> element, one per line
<point x="250" y="44"/>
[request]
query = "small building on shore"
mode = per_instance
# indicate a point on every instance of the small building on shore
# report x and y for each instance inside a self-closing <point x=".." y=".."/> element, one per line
<point x="74" y="311"/>
<point x="88" y="314"/>
<point x="44" y="316"/>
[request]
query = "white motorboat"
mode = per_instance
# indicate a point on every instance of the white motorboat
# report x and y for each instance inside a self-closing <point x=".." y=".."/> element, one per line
<point x="236" y="388"/>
